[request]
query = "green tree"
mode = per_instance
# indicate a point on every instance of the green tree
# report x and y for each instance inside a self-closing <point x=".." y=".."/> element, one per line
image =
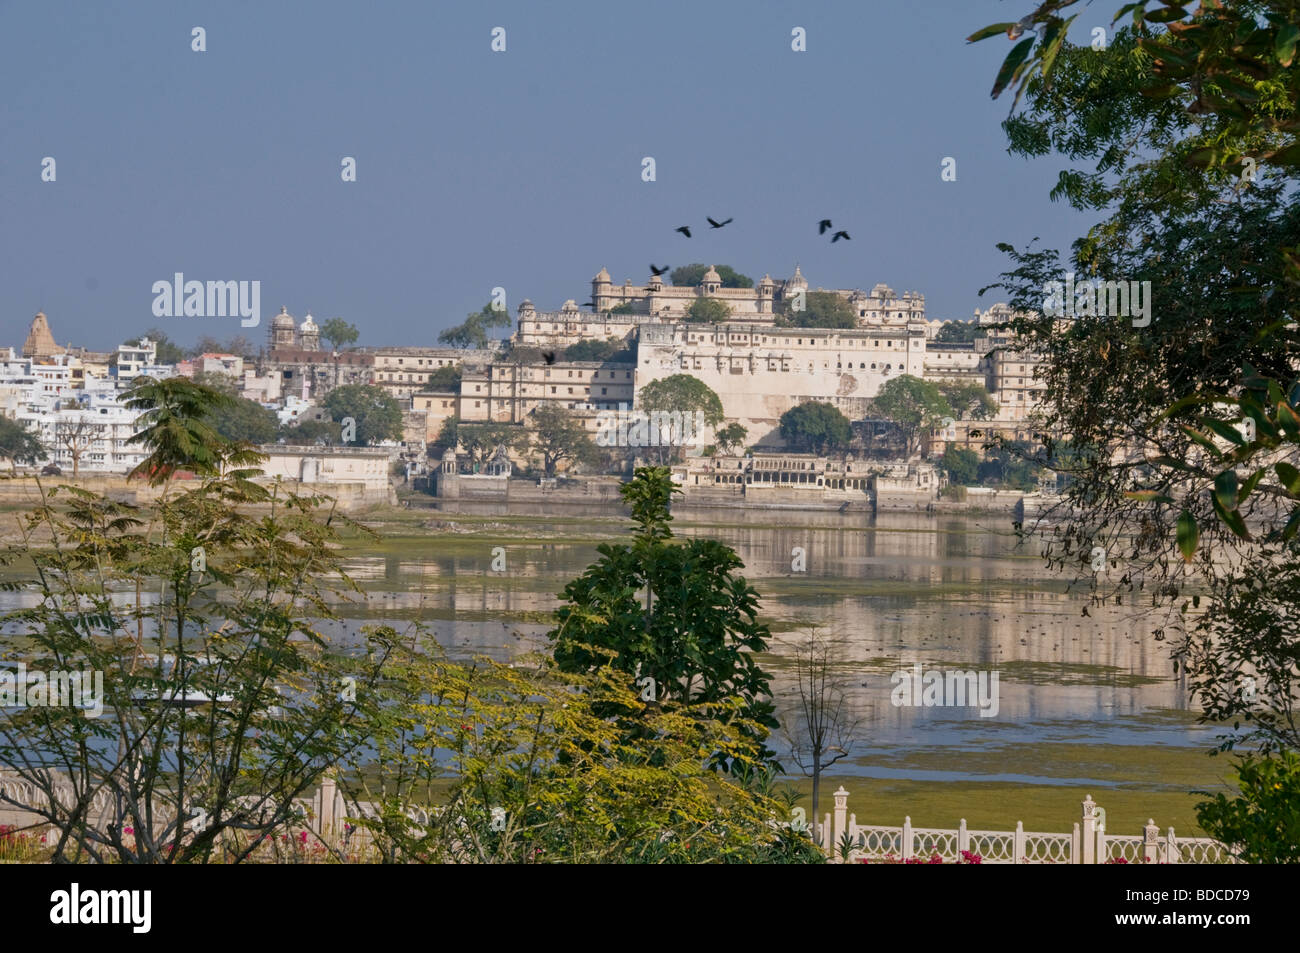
<point x="690" y="276"/>
<point x="822" y="309"/>
<point x="175" y="424"/>
<point x="732" y="437"/>
<point x="962" y="466"/>
<point x="374" y="411"/>
<point x="473" y="333"/>
<point x="18" y="444"/>
<point x="245" y="420"/>
<point x="238" y="345"/>
<point x="627" y="307"/>
<point x="308" y="430"/>
<point x="674" y="618"/>
<point x="969" y="400"/>
<point x="559" y="436"/>
<point x="957" y="332"/>
<point x="1011" y="465"/>
<point x="338" y="332"/>
<point x="536" y="770"/>
<point x="815" y="427"/>
<point x="220" y="697"/>
<point x="708" y="311"/>
<point x="914" y="406"/>
<point x="611" y="349"/>
<point x="1262" y="825"/>
<point x="445" y="378"/>
<point x="480" y="441"/>
<point x="682" y="393"/>
<point x="1180" y="139"/>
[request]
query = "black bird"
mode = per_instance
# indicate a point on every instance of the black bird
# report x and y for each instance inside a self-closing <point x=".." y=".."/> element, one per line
<point x="823" y="225"/>
<point x="589" y="304"/>
<point x="657" y="271"/>
<point x="716" y="224"/>
<point x="548" y="356"/>
<point x="838" y="235"/>
<point x="685" y="230"/>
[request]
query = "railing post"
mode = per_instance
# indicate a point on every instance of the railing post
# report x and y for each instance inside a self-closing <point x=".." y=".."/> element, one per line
<point x="325" y="806"/>
<point x="1019" y="844"/>
<point x="907" y="838"/>
<point x="1075" y="845"/>
<point x="1089" y="834"/>
<point x="841" y="818"/>
<point x="1171" y="848"/>
<point x="963" y="839"/>
<point x="1150" y="842"/>
<point x="851" y="829"/>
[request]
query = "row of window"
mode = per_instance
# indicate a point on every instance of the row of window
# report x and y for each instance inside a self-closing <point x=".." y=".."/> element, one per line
<point x="812" y="342"/>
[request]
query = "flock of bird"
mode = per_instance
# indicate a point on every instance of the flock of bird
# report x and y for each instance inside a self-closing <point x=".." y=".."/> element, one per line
<point x="823" y="227"/>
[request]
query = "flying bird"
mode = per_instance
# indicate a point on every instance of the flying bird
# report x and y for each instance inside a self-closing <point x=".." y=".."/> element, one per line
<point x="657" y="271"/>
<point x="823" y="225"/>
<point x="548" y="356"/>
<point x="717" y="224"/>
<point x="838" y="235"/>
<point x="685" y="230"/>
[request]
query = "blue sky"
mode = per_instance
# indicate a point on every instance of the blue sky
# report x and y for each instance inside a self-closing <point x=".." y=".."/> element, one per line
<point x="478" y="169"/>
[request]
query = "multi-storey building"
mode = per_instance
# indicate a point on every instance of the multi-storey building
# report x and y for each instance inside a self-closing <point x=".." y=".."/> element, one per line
<point x="507" y="392"/>
<point x="760" y="372"/>
<point x="403" y="371"/>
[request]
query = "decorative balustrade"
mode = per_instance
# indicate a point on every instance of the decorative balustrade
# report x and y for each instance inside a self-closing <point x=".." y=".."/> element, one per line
<point x="1088" y="843"/>
<point x="327" y="818"/>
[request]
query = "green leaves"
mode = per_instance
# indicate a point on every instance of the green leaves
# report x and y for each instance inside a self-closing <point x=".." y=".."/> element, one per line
<point x="695" y="634"/>
<point x="988" y="31"/>
<point x="1225" y="489"/>
<point x="1289" y="476"/>
<point x="1188" y="535"/>
<point x="1165" y="14"/>
<point x="1011" y="65"/>
<point x="1285" y="43"/>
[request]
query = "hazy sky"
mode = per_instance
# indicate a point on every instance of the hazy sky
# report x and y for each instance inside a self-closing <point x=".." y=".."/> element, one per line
<point x="477" y="169"/>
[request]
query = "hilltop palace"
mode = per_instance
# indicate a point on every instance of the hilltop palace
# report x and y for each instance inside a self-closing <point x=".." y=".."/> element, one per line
<point x="757" y="369"/>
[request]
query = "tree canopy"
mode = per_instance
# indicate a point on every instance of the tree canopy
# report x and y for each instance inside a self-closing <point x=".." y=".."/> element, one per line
<point x="914" y="405"/>
<point x="338" y="332"/>
<point x="822" y="309"/>
<point x="682" y="393"/>
<point x="708" y="311"/>
<point x="446" y="377"/>
<point x="558" y="436"/>
<point x="690" y="276"/>
<point x="473" y="332"/>
<point x="673" y="617"/>
<point x="1179" y="139"/>
<point x="816" y="427"/>
<point x="18" y="444"/>
<point x="611" y="349"/>
<point x="374" y="411"/>
<point x="957" y="332"/>
<point x="245" y="420"/>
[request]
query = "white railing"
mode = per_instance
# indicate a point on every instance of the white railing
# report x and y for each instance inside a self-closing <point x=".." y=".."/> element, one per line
<point x="1087" y="843"/>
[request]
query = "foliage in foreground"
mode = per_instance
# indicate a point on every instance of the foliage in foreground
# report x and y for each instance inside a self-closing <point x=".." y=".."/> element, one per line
<point x="1263" y="823"/>
<point x="536" y="771"/>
